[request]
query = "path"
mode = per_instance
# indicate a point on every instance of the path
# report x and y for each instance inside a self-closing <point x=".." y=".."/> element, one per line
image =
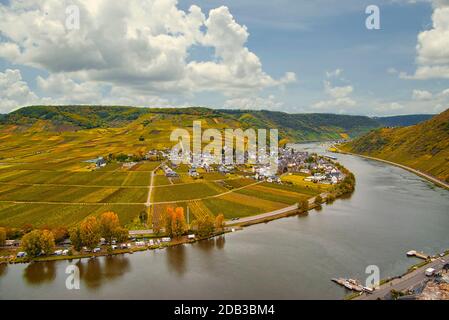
<point x="209" y="197"/>
<point x="150" y="188"/>
<point x="271" y="214"/>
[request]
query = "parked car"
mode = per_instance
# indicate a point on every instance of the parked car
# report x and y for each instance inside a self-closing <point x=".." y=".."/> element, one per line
<point x="21" y="254"/>
<point x="96" y="250"/>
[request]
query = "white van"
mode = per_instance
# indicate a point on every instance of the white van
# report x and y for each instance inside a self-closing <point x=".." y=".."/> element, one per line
<point x="430" y="272"/>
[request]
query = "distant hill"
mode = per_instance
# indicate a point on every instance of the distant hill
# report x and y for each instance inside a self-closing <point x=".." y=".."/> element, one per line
<point x="424" y="146"/>
<point x="403" y="121"/>
<point x="295" y="127"/>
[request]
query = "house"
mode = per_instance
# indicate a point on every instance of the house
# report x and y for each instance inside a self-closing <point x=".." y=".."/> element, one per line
<point x="100" y="162"/>
<point x="12" y="243"/>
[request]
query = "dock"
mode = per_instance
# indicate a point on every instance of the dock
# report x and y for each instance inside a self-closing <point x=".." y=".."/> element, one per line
<point x="420" y="255"/>
<point x="352" y="285"/>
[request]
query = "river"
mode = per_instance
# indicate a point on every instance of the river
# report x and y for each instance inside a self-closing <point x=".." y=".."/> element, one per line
<point x="390" y="212"/>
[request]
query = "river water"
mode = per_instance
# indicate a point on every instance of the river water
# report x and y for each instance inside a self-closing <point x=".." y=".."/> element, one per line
<point x="391" y="211"/>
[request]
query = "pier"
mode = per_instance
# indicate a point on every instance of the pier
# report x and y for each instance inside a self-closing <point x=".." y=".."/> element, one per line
<point x="420" y="255"/>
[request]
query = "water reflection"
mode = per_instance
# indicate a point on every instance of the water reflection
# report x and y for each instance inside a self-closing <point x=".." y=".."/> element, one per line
<point x="94" y="272"/>
<point x="3" y="269"/>
<point x="211" y="244"/>
<point x="37" y="273"/>
<point x="176" y="259"/>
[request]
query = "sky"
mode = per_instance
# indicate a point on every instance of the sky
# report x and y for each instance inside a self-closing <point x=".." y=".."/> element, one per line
<point x="294" y="56"/>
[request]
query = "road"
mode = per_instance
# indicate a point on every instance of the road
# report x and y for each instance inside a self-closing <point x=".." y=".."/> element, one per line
<point x="407" y="281"/>
<point x="271" y="214"/>
<point x="150" y="187"/>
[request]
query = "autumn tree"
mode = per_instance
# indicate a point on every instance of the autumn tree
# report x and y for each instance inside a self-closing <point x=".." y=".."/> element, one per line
<point x="109" y="225"/>
<point x="305" y="205"/>
<point x="205" y="225"/>
<point x="121" y="234"/>
<point x="178" y="222"/>
<point x="2" y="236"/>
<point x="318" y="200"/>
<point x="75" y="238"/>
<point x="90" y="232"/>
<point x="38" y="241"/>
<point x="168" y="218"/>
<point x="219" y="222"/>
<point x="60" y="234"/>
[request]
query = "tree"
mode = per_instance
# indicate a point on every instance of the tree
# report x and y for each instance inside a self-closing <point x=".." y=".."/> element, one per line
<point x="60" y="234"/>
<point x="318" y="200"/>
<point x="37" y="242"/>
<point x="109" y="224"/>
<point x="169" y="214"/>
<point x="75" y="238"/>
<point x="47" y="241"/>
<point x="143" y="217"/>
<point x="122" y="235"/>
<point x="178" y="222"/>
<point x="305" y="205"/>
<point x="219" y="222"/>
<point x="2" y="236"/>
<point x="205" y="225"/>
<point x="90" y="232"/>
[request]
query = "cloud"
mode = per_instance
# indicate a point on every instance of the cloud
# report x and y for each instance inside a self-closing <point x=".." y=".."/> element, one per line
<point x="421" y="95"/>
<point x="339" y="96"/>
<point x="14" y="92"/>
<point x="254" y="103"/>
<point x="140" y="45"/>
<point x="433" y="46"/>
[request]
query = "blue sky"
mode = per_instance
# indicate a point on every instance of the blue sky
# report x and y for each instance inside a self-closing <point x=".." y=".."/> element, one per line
<point x="339" y="65"/>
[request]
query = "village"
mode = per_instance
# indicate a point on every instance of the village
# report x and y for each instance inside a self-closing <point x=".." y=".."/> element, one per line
<point x="314" y="168"/>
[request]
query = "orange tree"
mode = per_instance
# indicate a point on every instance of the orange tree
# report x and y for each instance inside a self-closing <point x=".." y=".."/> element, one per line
<point x="90" y="232"/>
<point x="37" y="242"/>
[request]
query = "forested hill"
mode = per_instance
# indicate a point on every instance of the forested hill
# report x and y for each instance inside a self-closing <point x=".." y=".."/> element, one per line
<point x="424" y="146"/>
<point x="403" y="121"/>
<point x="295" y="127"/>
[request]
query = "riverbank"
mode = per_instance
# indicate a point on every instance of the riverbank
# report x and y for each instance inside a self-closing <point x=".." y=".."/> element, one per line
<point x="178" y="242"/>
<point x="424" y="175"/>
<point x="411" y="278"/>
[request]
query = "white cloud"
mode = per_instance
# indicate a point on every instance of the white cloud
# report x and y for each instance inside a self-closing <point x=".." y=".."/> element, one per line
<point x="335" y="73"/>
<point x="138" y="45"/>
<point x="433" y="46"/>
<point x="14" y="92"/>
<point x="421" y="95"/>
<point x="339" y="96"/>
<point x="254" y="103"/>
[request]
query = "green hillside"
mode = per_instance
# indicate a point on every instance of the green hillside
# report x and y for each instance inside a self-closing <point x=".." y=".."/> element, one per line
<point x="424" y="146"/>
<point x="295" y="127"/>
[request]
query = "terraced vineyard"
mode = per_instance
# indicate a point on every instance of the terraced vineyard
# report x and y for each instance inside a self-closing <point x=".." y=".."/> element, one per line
<point x="46" y="180"/>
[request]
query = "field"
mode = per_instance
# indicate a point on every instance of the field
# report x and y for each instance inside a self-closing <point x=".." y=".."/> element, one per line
<point x="45" y="179"/>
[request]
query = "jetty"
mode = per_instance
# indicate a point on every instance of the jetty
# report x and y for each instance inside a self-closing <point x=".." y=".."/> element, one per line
<point x="353" y="285"/>
<point x="420" y="255"/>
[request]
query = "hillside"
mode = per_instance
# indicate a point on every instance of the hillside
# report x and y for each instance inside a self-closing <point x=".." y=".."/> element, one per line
<point x="295" y="127"/>
<point x="424" y="146"/>
<point x="403" y="121"/>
